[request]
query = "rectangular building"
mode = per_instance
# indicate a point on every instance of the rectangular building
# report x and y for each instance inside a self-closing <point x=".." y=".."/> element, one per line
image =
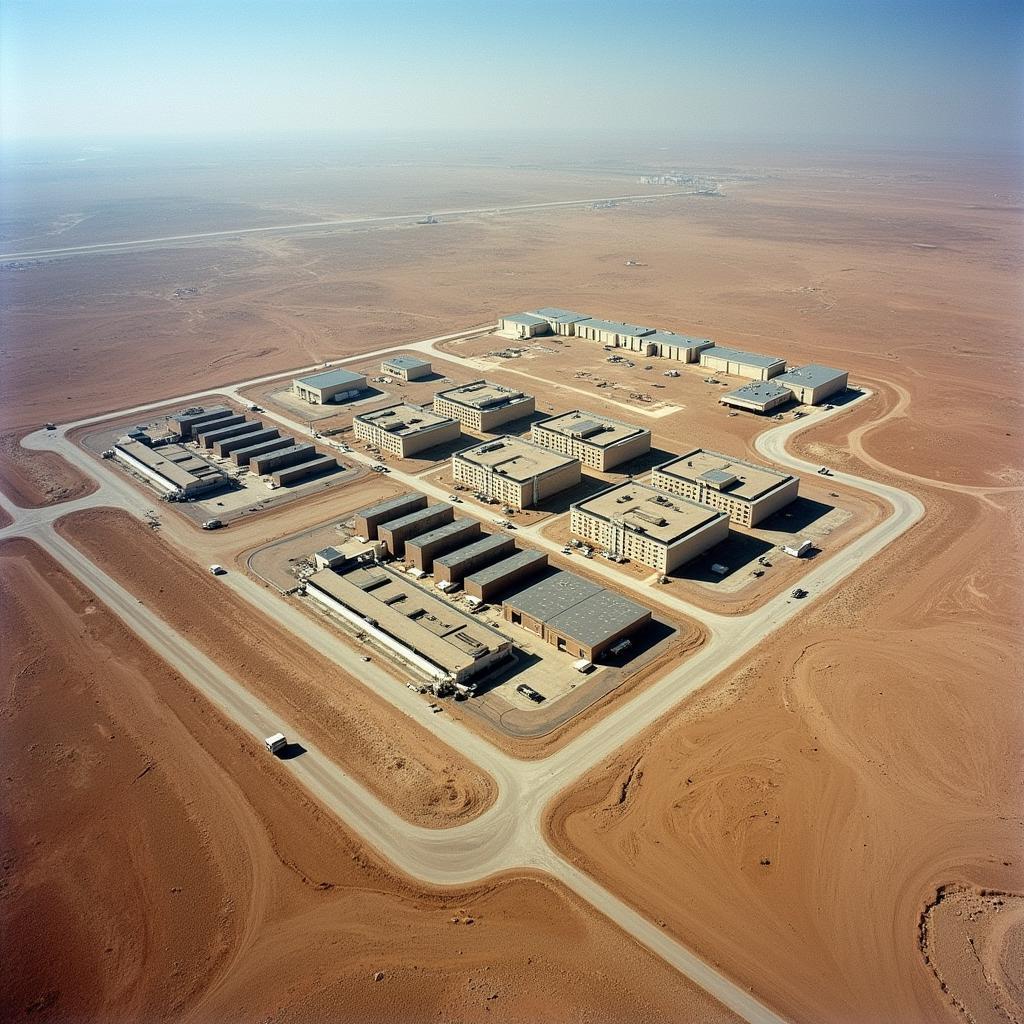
<point x="681" y="347"/>
<point x="758" y="396"/>
<point x="369" y="517"/>
<point x="618" y="335"/>
<point x="635" y="521"/>
<point x="172" y="468"/>
<point x="200" y="430"/>
<point x="455" y="566"/>
<point x="522" y="325"/>
<point x="812" y="384"/>
<point x="515" y="472"/>
<point x="281" y="458"/>
<point x="228" y="445"/>
<point x="745" y="491"/>
<point x="741" y="364"/>
<point x="395" y="532"/>
<point x="422" y="550"/>
<point x="421" y="628"/>
<point x="597" y="441"/>
<point x="405" y="430"/>
<point x="243" y="456"/>
<point x="294" y="474"/>
<point x="561" y="321"/>
<point x="406" y="367"/>
<point x="183" y="423"/>
<point x="575" y="615"/>
<point x="208" y="438"/>
<point x="486" y="584"/>
<point x="483" y="406"/>
<point x="329" y="386"/>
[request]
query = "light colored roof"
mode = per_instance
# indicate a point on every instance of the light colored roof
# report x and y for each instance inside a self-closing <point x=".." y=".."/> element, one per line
<point x="592" y="428"/>
<point x="578" y="608"/>
<point x="618" y="328"/>
<point x="759" y="391"/>
<point x="406" y="362"/>
<point x="515" y="458"/>
<point x="483" y="394"/>
<point x="331" y="378"/>
<point x="752" y="481"/>
<point x="812" y="376"/>
<point x="680" y="340"/>
<point x="527" y="319"/>
<point x="739" y="356"/>
<point x="173" y="462"/>
<point x="554" y="315"/>
<point x="666" y="518"/>
<point x="403" y="419"/>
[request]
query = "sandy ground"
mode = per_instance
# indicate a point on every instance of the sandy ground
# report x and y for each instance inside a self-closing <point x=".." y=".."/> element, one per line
<point x="158" y="867"/>
<point x="35" y="479"/>
<point x="406" y="766"/>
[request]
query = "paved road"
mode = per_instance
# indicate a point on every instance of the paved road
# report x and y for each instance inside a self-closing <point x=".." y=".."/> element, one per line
<point x="140" y="243"/>
<point x="509" y="834"/>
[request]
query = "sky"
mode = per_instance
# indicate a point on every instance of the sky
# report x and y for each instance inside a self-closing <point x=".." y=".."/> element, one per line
<point x="939" y="72"/>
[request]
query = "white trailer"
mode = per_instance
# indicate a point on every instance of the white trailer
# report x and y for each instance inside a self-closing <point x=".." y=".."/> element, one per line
<point x="276" y="743"/>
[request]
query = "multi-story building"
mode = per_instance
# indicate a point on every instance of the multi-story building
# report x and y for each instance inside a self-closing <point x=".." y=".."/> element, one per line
<point x="745" y="491"/>
<point x="597" y="441"/>
<point x="483" y="406"/>
<point x="515" y="472"/>
<point x="404" y="430"/>
<point x="635" y="521"/>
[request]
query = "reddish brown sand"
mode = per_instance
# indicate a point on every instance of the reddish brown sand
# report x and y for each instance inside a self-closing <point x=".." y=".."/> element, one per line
<point x="419" y="776"/>
<point x="35" y="479"/>
<point x="157" y="866"/>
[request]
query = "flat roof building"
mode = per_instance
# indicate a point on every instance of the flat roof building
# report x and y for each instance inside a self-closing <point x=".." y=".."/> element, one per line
<point x="758" y="396"/>
<point x="812" y="384"/>
<point x="597" y="441"/>
<point x="209" y="438"/>
<point x="281" y="458"/>
<point x="456" y="565"/>
<point x="395" y="532"/>
<point x="335" y="385"/>
<point x="681" y="347"/>
<point x="482" y="405"/>
<point x="172" y="468"/>
<point x="227" y="445"/>
<point x="422" y="629"/>
<point x="369" y="517"/>
<point x="635" y="521"/>
<point x="486" y="584"/>
<point x="243" y="456"/>
<point x="575" y="615"/>
<point x="201" y="430"/>
<point x="317" y="466"/>
<point x="423" y="549"/>
<point x="561" y="321"/>
<point x="406" y="367"/>
<point x="523" y="325"/>
<point x="611" y="332"/>
<point x="741" y="364"/>
<point x="516" y="472"/>
<point x="744" y="490"/>
<point x="405" y="430"/>
<point x="184" y="422"/>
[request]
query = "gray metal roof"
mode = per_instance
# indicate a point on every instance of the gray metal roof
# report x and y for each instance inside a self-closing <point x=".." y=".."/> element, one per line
<point x="759" y="391"/>
<point x="330" y="378"/>
<point x="553" y="595"/>
<point x="414" y="517"/>
<point x="398" y="501"/>
<point x="210" y="412"/>
<point x="406" y="362"/>
<point x="495" y="572"/>
<point x="454" y="527"/>
<point x="480" y="547"/>
<point x="739" y="356"/>
<point x="524" y="318"/>
<point x="812" y="376"/>
<point x="632" y="330"/>
<point x="682" y="340"/>
<point x="559" y="316"/>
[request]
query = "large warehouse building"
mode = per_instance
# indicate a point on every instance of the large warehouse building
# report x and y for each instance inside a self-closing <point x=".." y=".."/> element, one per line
<point x="635" y="521"/>
<point x="483" y="406"/>
<point x="618" y="335"/>
<point x="813" y="383"/>
<point x="597" y="441"/>
<point x="395" y="532"/>
<point x="741" y="364"/>
<point x="515" y="472"/>
<point x="575" y="615"/>
<point x="424" y="630"/>
<point x="422" y="549"/>
<point x="487" y="584"/>
<point x="171" y="467"/>
<point x="522" y="325"/>
<point x="561" y="321"/>
<point x="209" y="438"/>
<point x="243" y="456"/>
<point x="758" y="396"/>
<point x="680" y="347"/>
<point x="329" y="386"/>
<point x="406" y="367"/>
<point x="745" y="491"/>
<point x="366" y="520"/>
<point x="405" y="430"/>
<point x="184" y="422"/>
<point x="455" y="566"/>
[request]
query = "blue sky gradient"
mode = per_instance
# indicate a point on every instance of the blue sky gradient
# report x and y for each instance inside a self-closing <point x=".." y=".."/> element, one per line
<point x="937" y="72"/>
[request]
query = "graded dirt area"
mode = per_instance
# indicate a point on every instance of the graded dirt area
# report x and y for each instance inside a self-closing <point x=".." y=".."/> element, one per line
<point x="36" y="479"/>
<point x="157" y="866"/>
<point x="409" y="769"/>
<point x="812" y="803"/>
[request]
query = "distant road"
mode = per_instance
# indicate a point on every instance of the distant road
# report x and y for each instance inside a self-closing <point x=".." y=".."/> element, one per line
<point x="100" y="247"/>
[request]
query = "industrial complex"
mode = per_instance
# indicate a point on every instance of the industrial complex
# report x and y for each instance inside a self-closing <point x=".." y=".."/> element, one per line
<point x="483" y="406"/>
<point x="597" y="441"/>
<point x="405" y="430"/>
<point x="516" y="472"/>
<point x="172" y="468"/>
<point x="329" y="386"/>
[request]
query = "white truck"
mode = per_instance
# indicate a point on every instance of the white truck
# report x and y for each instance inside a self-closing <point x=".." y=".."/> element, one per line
<point x="276" y="743"/>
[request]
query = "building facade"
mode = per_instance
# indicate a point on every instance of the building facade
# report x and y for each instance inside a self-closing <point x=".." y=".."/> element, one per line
<point x="483" y="406"/>
<point x="366" y="520"/>
<point x="329" y="386"/>
<point x="597" y="441"/>
<point x="812" y="384"/>
<point x="680" y="347"/>
<point x="758" y="396"/>
<point x="737" y="363"/>
<point x="522" y="325"/>
<point x="404" y="430"/>
<point x="617" y="335"/>
<point x="515" y="472"/>
<point x="406" y="367"/>
<point x="561" y="321"/>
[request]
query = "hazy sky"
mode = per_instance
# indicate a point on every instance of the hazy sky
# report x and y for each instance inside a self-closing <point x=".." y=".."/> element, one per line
<point x="930" y="71"/>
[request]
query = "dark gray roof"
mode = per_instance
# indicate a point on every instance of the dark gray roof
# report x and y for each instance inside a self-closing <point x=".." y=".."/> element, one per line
<point x="739" y="356"/>
<point x="480" y="547"/>
<point x="454" y="527"/>
<point x="495" y="572"/>
<point x="414" y="517"/>
<point x="398" y="501"/>
<point x="329" y="378"/>
<point x="812" y="376"/>
<point x="553" y="595"/>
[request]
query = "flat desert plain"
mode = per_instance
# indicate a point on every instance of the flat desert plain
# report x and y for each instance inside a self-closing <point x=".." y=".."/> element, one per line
<point x="834" y="823"/>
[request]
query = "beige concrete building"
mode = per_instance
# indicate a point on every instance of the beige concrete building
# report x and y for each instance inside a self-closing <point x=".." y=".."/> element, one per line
<point x="422" y="549"/>
<point x="184" y="422"/>
<point x="366" y="520"/>
<point x="404" y="430"/>
<point x="483" y="406"/>
<point x="335" y="385"/>
<point x="515" y="472"/>
<point x="597" y="441"/>
<point x="758" y="396"/>
<point x="635" y="521"/>
<point x="561" y="321"/>
<point x="395" y="532"/>
<point x="680" y="347"/>
<point x="813" y="383"/>
<point x="456" y="565"/>
<point x="422" y="629"/>
<point x="406" y="367"/>
<point x="741" y="364"/>
<point x="615" y="334"/>
<point x="522" y="325"/>
<point x="746" y="492"/>
<point x="486" y="584"/>
<point x="171" y="467"/>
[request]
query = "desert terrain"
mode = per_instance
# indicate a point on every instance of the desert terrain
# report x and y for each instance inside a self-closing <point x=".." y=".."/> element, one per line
<point x="834" y="823"/>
